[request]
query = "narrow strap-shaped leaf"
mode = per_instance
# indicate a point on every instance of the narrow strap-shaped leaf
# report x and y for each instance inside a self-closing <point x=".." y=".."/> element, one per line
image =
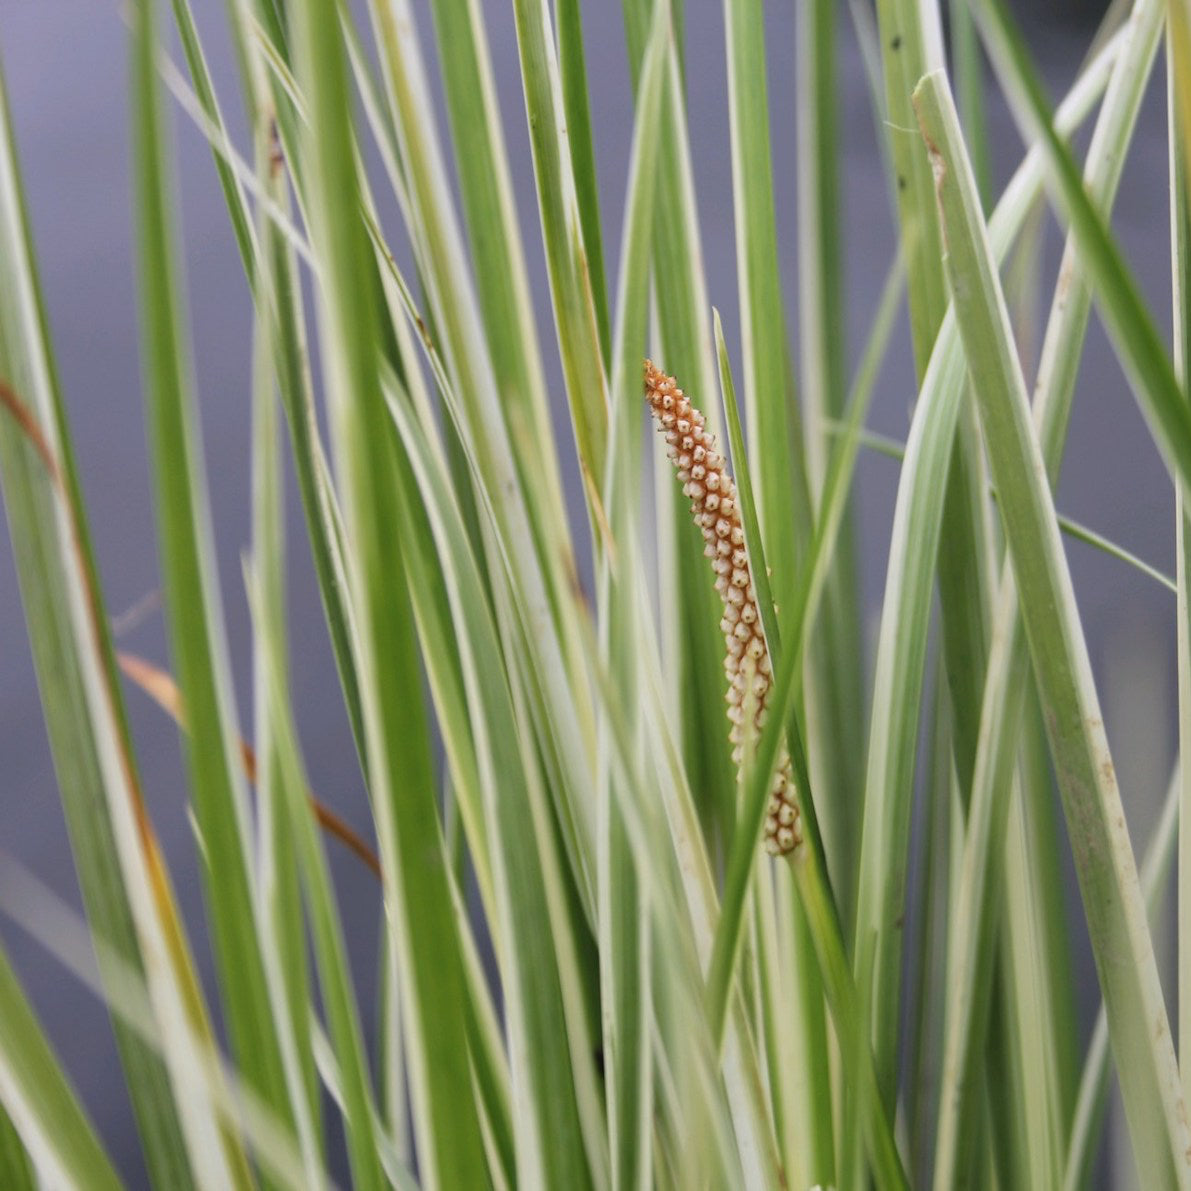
<point x="546" y="1106"/>
<point x="283" y="302"/>
<point x="978" y="898"/>
<point x="692" y="645"/>
<point x="835" y="702"/>
<point x="498" y="262"/>
<point x="691" y="871"/>
<point x="338" y="996"/>
<point x="575" y="318"/>
<point x="36" y="1096"/>
<point x="204" y="89"/>
<point x="1179" y="41"/>
<point x="573" y="75"/>
<point x="808" y="864"/>
<point x="906" y="608"/>
<point x="16" y="1170"/>
<point x="59" y="583"/>
<point x="911" y="44"/>
<point x="417" y="901"/>
<point x="210" y="1078"/>
<point x="1088" y="1118"/>
<point x="625" y="935"/>
<point x="469" y="386"/>
<point x="1178" y="107"/>
<point x="286" y="965"/>
<point x="773" y="433"/>
<point x="1135" y="337"/>
<point x="192" y="600"/>
<point x="971" y="93"/>
<point x="1100" y="840"/>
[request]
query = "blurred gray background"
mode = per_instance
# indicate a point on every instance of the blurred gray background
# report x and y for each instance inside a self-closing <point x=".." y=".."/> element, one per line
<point x="66" y="70"/>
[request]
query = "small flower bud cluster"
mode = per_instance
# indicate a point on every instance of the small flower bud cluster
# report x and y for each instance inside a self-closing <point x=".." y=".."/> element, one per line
<point x="691" y="448"/>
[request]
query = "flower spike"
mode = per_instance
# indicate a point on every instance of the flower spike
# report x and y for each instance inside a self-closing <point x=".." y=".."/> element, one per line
<point x="712" y="491"/>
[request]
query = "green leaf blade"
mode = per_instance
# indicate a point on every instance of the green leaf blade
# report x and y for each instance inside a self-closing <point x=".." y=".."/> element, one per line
<point x="1104" y="859"/>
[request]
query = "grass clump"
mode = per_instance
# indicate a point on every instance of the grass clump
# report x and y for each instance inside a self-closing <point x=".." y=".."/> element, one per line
<point x="663" y="1006"/>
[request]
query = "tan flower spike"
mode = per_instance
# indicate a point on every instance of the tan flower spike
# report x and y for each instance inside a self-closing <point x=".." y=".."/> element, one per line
<point x="691" y="448"/>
